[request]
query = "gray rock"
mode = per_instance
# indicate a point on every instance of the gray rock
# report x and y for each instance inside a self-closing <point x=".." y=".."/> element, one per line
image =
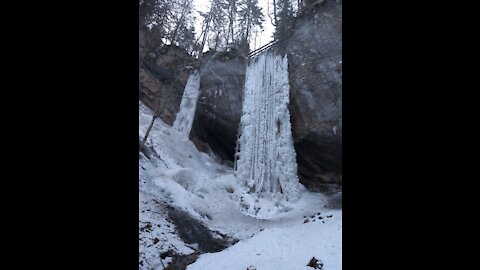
<point x="335" y="201"/>
<point x="219" y="107"/>
<point x="162" y="81"/>
<point x="315" y="53"/>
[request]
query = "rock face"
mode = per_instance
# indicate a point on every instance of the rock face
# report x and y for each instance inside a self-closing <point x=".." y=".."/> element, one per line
<point x="163" y="75"/>
<point x="315" y="53"/>
<point x="219" y="107"/>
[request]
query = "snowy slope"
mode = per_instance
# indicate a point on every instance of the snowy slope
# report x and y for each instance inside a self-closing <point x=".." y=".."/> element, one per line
<point x="282" y="248"/>
<point x="184" y="178"/>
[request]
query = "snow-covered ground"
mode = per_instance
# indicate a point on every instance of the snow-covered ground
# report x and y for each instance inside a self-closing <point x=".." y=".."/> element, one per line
<point x="184" y="178"/>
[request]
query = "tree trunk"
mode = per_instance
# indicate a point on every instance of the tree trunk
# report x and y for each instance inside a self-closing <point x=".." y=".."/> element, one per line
<point x="179" y="22"/>
<point x="204" y="40"/>
<point x="156" y="115"/>
<point x="232" y="18"/>
<point x="148" y="132"/>
<point x="275" y="12"/>
<point x="248" y="29"/>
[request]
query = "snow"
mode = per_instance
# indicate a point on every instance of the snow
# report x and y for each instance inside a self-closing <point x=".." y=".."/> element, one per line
<point x="267" y="159"/>
<point x="156" y="234"/>
<point x="180" y="176"/>
<point x="282" y="248"/>
<point x="184" y="120"/>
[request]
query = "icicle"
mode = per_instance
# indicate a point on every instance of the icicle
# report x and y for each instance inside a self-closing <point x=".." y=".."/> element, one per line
<point x="267" y="157"/>
<point x="184" y="120"/>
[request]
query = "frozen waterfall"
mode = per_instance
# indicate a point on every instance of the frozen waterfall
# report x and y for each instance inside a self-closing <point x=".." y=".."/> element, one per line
<point x="184" y="120"/>
<point x="266" y="156"/>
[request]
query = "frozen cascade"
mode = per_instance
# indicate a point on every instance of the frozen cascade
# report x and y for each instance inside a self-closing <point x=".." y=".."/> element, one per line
<point x="184" y="120"/>
<point x="266" y="157"/>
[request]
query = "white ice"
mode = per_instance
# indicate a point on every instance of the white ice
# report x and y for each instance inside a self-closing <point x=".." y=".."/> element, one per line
<point x="267" y="162"/>
<point x="184" y="120"/>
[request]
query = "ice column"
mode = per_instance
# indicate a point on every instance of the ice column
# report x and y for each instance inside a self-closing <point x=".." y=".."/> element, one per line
<point x="184" y="120"/>
<point x="266" y="158"/>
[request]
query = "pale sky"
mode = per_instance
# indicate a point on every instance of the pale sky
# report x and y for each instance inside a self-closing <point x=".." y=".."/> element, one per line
<point x="262" y="39"/>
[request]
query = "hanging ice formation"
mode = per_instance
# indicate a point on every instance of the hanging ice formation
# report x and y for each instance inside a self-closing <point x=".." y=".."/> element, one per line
<point x="265" y="152"/>
<point x="184" y="120"/>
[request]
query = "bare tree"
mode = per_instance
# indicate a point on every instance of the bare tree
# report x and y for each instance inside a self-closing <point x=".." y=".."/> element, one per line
<point x="186" y="8"/>
<point x="232" y="15"/>
<point x="284" y="18"/>
<point x="251" y="16"/>
<point x="213" y="25"/>
<point x="207" y="19"/>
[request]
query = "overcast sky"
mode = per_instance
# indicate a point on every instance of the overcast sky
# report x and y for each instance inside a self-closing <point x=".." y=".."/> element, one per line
<point x="262" y="39"/>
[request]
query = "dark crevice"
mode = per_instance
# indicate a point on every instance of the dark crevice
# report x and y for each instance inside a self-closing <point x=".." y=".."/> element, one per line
<point x="192" y="231"/>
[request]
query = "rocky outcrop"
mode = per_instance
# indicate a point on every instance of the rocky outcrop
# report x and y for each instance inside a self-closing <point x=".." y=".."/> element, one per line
<point x="219" y="106"/>
<point x="315" y="72"/>
<point x="163" y="74"/>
